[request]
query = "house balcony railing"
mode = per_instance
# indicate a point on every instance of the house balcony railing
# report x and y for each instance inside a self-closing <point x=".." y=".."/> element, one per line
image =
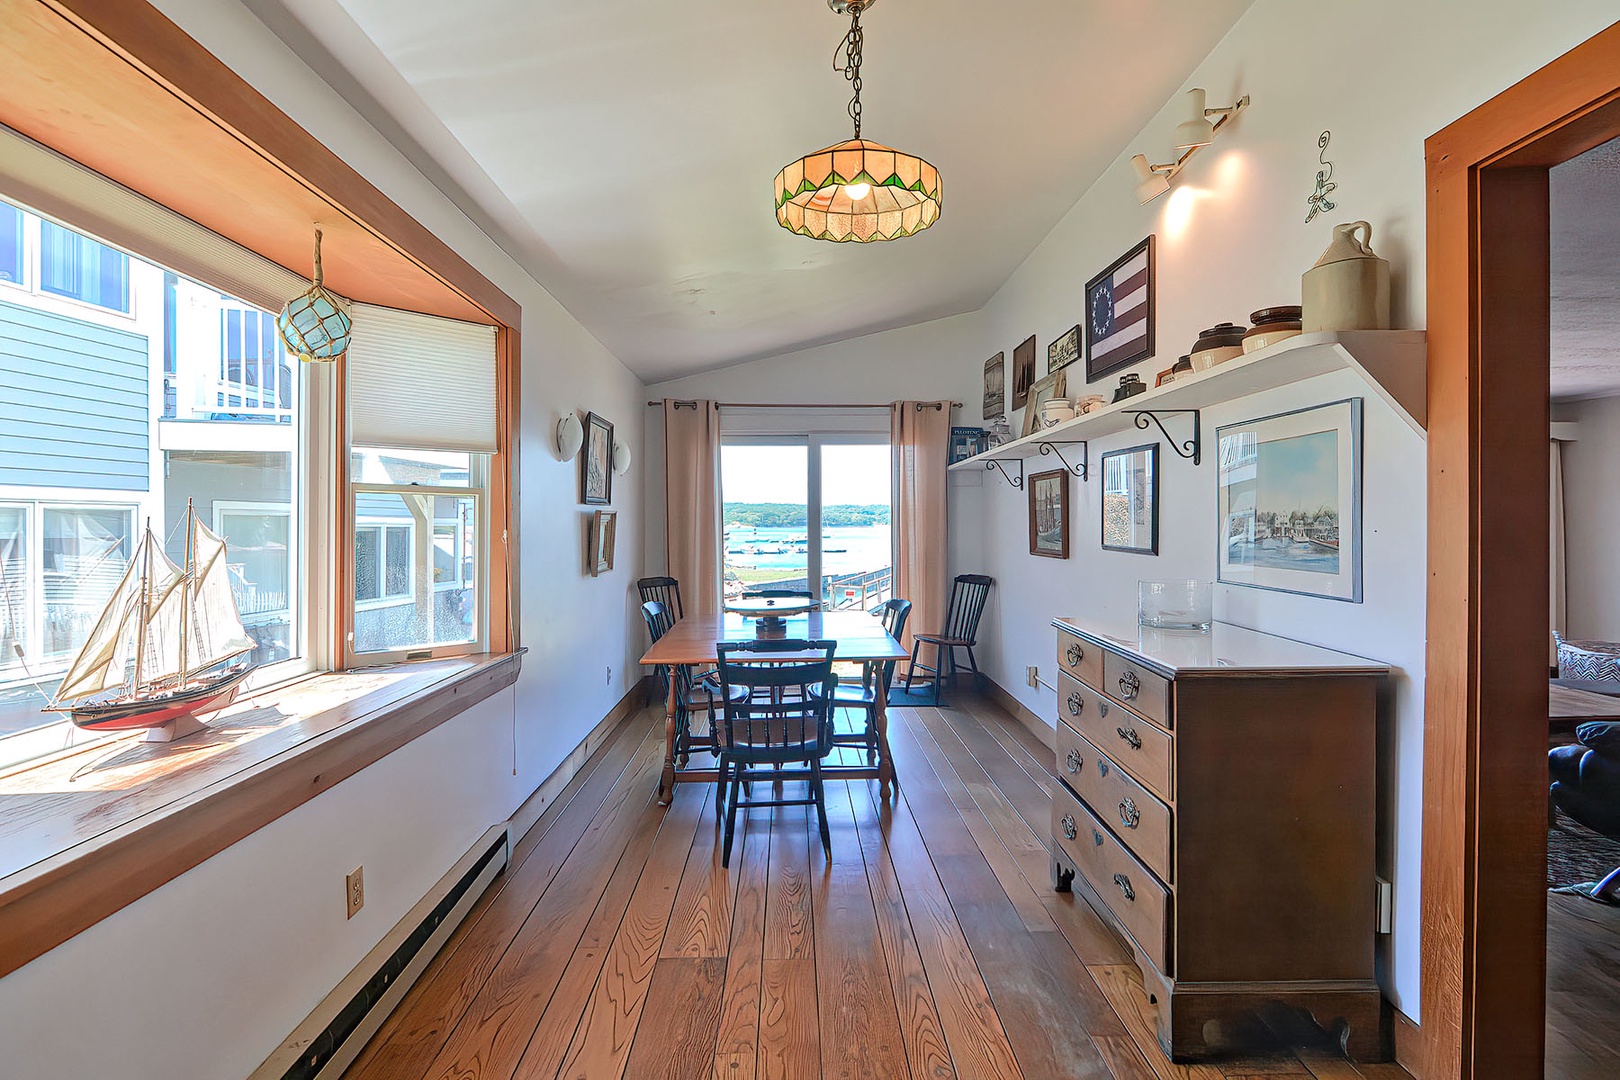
<point x="251" y="390"/>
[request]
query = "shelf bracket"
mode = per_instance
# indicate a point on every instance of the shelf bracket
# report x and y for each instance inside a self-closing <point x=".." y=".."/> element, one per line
<point x="1016" y="481"/>
<point x="1083" y="469"/>
<point x="1193" y="448"/>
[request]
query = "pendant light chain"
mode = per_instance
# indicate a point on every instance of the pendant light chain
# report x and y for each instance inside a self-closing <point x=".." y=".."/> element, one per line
<point x="850" y="54"/>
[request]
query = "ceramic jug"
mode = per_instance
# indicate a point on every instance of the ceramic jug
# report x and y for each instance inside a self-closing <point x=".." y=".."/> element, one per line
<point x="1348" y="288"/>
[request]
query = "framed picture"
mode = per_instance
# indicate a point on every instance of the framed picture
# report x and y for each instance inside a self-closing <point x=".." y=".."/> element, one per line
<point x="1290" y="502"/>
<point x="600" y="536"/>
<point x="1064" y="351"/>
<point x="1049" y="514"/>
<point x="596" y="462"/>
<point x="1052" y="386"/>
<point x="1023" y="372"/>
<point x="1120" y="313"/>
<point x="1130" y="500"/>
<point x="965" y="442"/>
<point x="995" y="386"/>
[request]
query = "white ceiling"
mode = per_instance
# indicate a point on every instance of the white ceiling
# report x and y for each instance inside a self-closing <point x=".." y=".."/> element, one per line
<point x="1585" y="196"/>
<point x="622" y="151"/>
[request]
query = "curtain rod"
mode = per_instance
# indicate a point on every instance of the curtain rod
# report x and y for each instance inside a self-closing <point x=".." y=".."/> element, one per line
<point x="767" y="405"/>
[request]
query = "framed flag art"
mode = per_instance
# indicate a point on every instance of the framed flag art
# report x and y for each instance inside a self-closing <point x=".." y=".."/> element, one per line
<point x="1120" y="313"/>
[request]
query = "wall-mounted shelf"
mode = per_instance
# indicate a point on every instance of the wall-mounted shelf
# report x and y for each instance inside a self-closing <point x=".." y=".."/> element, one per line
<point x="1394" y="364"/>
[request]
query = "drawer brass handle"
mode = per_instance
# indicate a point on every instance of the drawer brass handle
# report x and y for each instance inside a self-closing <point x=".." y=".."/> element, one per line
<point x="1128" y="813"/>
<point x="1102" y="766"/>
<point x="1130" y="736"/>
<point x="1124" y="884"/>
<point x="1076" y="703"/>
<point x="1074" y="654"/>
<point x="1075" y="761"/>
<point x="1070" y="830"/>
<point x="1129" y="685"/>
<point x="1096" y="838"/>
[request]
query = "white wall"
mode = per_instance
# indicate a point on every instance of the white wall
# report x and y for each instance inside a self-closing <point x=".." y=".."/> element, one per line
<point x="206" y="976"/>
<point x="1592" y="519"/>
<point x="1382" y="75"/>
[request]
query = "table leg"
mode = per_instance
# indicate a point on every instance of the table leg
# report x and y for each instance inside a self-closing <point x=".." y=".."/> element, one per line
<point x="666" y="784"/>
<point x="880" y="720"/>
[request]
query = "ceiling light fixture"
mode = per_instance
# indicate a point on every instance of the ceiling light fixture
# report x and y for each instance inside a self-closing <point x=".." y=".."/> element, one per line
<point x="857" y="190"/>
<point x="1192" y="134"/>
<point x="1152" y="180"/>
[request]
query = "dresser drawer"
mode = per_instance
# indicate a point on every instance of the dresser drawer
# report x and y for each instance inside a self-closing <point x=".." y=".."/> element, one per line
<point x="1133" y="812"/>
<point x="1079" y="658"/>
<point x="1139" y="902"/>
<point x="1143" y="749"/>
<point x="1136" y="686"/>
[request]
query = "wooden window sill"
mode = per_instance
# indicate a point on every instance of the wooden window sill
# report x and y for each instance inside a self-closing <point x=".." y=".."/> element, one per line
<point x="90" y="831"/>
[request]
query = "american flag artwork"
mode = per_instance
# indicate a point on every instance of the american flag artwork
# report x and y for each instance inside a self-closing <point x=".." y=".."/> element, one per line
<point x="1119" y="312"/>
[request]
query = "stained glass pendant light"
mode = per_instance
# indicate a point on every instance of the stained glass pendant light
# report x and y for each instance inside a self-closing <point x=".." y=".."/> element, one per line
<point x="857" y="190"/>
<point x="315" y="325"/>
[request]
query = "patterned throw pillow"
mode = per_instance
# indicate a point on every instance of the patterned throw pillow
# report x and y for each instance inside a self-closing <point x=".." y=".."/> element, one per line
<point x="1589" y="660"/>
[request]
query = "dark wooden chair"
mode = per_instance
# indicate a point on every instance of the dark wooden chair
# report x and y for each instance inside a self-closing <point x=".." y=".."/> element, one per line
<point x="664" y="590"/>
<point x="694" y="693"/>
<point x="961" y="631"/>
<point x="875" y="682"/>
<point x="776" y="712"/>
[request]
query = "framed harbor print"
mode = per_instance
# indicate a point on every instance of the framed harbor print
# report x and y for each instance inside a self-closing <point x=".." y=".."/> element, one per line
<point x="1064" y="351"/>
<point x="1052" y="386"/>
<point x="1049" y="514"/>
<point x="600" y="538"/>
<point x="1290" y="502"/>
<point x="1120" y="313"/>
<point x="1130" y="500"/>
<point x="1023" y="373"/>
<point x="995" y="386"/>
<point x="596" y="462"/>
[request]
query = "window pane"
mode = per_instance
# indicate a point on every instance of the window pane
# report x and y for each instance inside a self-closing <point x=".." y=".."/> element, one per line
<point x="765" y="540"/>
<point x="442" y="468"/>
<point x="856" y="559"/>
<point x="14" y="590"/>
<point x="85" y="552"/>
<point x="11" y="244"/>
<point x="416" y="560"/>
<point x="77" y="266"/>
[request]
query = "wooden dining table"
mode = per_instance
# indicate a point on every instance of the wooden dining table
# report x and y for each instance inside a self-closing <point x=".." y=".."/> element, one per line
<point x="694" y="640"/>
<point x="1568" y="706"/>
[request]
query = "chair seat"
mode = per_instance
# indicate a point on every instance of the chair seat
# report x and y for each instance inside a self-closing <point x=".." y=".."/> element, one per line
<point x="852" y="694"/>
<point x="704" y="692"/>
<point x="941" y="639"/>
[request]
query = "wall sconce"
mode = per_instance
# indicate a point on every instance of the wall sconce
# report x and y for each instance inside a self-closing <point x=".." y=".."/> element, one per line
<point x="1195" y="132"/>
<point x="621" y="459"/>
<point x="570" y="436"/>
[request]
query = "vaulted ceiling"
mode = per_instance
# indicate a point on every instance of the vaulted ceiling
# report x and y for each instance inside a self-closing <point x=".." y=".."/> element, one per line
<point x="622" y="151"/>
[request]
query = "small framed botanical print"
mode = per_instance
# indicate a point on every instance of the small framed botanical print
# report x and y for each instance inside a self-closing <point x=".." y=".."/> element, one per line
<point x="1130" y="500"/>
<point x="596" y="463"/>
<point x="1049" y="514"/>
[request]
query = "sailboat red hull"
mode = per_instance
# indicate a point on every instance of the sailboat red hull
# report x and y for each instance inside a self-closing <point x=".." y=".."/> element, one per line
<point x="205" y="694"/>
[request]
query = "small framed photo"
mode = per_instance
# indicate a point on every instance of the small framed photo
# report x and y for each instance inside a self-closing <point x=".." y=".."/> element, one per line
<point x="995" y="386"/>
<point x="1290" y="502"/>
<point x="1023" y="375"/>
<point x="596" y="462"/>
<point x="600" y="537"/>
<point x="965" y="442"/>
<point x="1064" y="351"/>
<point x="1120" y="313"/>
<point x="1130" y="500"/>
<point x="1049" y="514"/>
<point x="1052" y="386"/>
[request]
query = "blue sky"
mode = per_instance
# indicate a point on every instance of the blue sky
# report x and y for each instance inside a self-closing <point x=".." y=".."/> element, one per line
<point x="1300" y="473"/>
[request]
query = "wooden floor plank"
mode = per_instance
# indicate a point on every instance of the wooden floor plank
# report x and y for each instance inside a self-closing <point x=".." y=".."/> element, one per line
<point x="418" y="1029"/>
<point x="787" y="909"/>
<point x="973" y="1033"/>
<point x="607" y="1028"/>
<point x="700" y="922"/>
<point x="860" y="1020"/>
<point x="1017" y="741"/>
<point x="675" y="1040"/>
<point x="920" y="1026"/>
<point x="1122" y="985"/>
<point x="736" y="1042"/>
<point x="789" y="1036"/>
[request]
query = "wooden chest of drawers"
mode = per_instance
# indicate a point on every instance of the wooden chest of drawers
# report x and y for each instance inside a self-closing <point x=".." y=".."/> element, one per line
<point x="1218" y="801"/>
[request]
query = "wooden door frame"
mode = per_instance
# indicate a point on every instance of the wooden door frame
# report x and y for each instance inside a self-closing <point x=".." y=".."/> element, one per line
<point x="1484" y="767"/>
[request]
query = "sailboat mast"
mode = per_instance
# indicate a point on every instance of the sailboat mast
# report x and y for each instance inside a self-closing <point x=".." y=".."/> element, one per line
<point x="146" y="598"/>
<point x="185" y="592"/>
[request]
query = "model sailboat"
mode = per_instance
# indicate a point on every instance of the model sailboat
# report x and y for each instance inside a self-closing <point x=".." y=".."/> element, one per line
<point x="168" y="646"/>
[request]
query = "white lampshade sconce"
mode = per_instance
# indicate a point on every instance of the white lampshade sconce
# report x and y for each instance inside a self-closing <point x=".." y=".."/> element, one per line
<point x="570" y="436"/>
<point x="1196" y="131"/>
<point x="621" y="459"/>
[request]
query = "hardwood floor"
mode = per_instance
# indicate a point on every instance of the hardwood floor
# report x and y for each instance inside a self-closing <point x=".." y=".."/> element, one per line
<point x="930" y="944"/>
<point x="1583" y="988"/>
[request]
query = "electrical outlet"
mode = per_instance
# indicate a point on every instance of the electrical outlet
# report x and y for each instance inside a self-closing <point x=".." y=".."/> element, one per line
<point x="354" y="887"/>
<point x="1032" y="675"/>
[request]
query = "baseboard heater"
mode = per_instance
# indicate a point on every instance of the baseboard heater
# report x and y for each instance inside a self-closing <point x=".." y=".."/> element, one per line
<point x="328" y="1041"/>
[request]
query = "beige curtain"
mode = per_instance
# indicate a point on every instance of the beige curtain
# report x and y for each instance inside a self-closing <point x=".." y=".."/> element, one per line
<point x="919" y="435"/>
<point x="692" y="502"/>
<point x="1558" y="591"/>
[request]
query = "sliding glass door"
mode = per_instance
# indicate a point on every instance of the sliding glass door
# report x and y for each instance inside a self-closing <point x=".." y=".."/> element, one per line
<point x="808" y="513"/>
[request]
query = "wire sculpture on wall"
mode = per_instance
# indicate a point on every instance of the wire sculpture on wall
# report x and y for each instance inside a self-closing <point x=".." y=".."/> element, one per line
<point x="1318" y="199"/>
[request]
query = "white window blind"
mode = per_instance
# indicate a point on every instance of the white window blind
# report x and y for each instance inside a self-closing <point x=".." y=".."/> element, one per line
<point x="420" y="382"/>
